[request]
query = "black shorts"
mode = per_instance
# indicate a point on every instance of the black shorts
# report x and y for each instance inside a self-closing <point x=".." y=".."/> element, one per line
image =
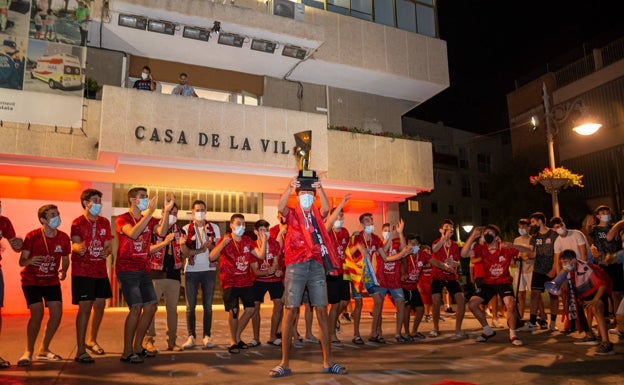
<point x="452" y="287"/>
<point x="88" y="289"/>
<point x="488" y="291"/>
<point x="275" y="289"/>
<point x="36" y="294"/>
<point x="337" y="289"/>
<point x="413" y="298"/>
<point x="616" y="273"/>
<point x="538" y="280"/>
<point x="232" y="295"/>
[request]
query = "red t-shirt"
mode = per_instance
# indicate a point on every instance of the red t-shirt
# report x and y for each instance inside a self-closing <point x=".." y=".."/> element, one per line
<point x="496" y="263"/>
<point x="415" y="267"/>
<point x="373" y="245"/>
<point x="133" y="254"/>
<point x="6" y="230"/>
<point x="53" y="249"/>
<point x="274" y="250"/>
<point x="389" y="273"/>
<point x="340" y="240"/>
<point x="234" y="269"/>
<point x="94" y="234"/>
<point x="443" y="255"/>
<point x="295" y="246"/>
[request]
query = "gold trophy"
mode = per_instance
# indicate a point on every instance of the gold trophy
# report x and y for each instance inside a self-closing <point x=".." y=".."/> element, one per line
<point x="306" y="177"/>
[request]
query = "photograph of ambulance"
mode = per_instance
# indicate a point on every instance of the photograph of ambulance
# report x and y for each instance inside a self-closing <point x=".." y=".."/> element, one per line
<point x="61" y="71"/>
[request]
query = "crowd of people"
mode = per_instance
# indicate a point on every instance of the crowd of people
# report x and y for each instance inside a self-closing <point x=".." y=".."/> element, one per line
<point x="309" y="258"/>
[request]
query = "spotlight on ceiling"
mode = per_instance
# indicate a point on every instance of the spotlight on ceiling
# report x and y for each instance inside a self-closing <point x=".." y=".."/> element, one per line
<point x="231" y="39"/>
<point x="161" y="26"/>
<point x="294" y="51"/>
<point x="263" y="45"/>
<point x="132" y="21"/>
<point x="216" y="27"/>
<point x="196" y="33"/>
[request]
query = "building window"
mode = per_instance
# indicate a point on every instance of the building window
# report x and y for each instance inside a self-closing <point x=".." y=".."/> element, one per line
<point x="434" y="207"/>
<point x="413" y="205"/>
<point x="465" y="187"/>
<point x="484" y="162"/>
<point x="464" y="158"/>
<point x="483" y="190"/>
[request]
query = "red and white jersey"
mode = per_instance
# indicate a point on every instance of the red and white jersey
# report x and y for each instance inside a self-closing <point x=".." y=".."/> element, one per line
<point x="94" y="234"/>
<point x="52" y="249"/>
<point x="234" y="263"/>
<point x="133" y="254"/>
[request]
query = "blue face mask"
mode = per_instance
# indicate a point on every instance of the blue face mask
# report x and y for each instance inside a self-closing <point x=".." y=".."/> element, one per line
<point x="239" y="231"/>
<point x="54" y="222"/>
<point x="369" y="229"/>
<point x="338" y="224"/>
<point x="306" y="200"/>
<point x="415" y="249"/>
<point x="143" y="204"/>
<point x="95" y="209"/>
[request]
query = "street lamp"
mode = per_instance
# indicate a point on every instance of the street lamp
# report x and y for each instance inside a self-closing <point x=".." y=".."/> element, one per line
<point x="558" y="115"/>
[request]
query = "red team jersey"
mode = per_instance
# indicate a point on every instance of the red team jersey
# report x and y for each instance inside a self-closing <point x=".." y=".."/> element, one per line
<point x="415" y="265"/>
<point x="496" y="264"/>
<point x="234" y="268"/>
<point x="274" y="250"/>
<point x="389" y="273"/>
<point x="94" y="234"/>
<point x="133" y="254"/>
<point x="6" y="230"/>
<point x="443" y="255"/>
<point x="52" y="249"/>
<point x="340" y="240"/>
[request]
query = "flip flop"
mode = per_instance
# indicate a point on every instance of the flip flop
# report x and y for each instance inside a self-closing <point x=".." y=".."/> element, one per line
<point x="4" y="364"/>
<point x="49" y="356"/>
<point x="275" y="342"/>
<point x="335" y="369"/>
<point x="234" y="349"/>
<point x="24" y="361"/>
<point x="358" y="340"/>
<point x="279" y="371"/>
<point x="95" y="349"/>
<point x="242" y="345"/>
<point x="84" y="358"/>
<point x="147" y="353"/>
<point x="132" y="359"/>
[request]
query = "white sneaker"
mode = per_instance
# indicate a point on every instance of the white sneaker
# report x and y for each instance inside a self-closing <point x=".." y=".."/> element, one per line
<point x="190" y="343"/>
<point x="515" y="341"/>
<point x="434" y="333"/>
<point x="528" y="327"/>
<point x="207" y="342"/>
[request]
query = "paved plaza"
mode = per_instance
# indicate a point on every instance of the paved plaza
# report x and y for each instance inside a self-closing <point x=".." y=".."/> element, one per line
<point x="546" y="358"/>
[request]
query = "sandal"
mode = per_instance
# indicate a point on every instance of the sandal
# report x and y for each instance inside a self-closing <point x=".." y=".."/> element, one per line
<point x="253" y="343"/>
<point x="84" y="358"/>
<point x="242" y="345"/>
<point x="24" y="361"/>
<point x="49" y="356"/>
<point x="335" y="369"/>
<point x="279" y="371"/>
<point x="358" y="340"/>
<point x="275" y="342"/>
<point x="96" y="349"/>
<point x="147" y="353"/>
<point x="132" y="359"/>
<point x="4" y="364"/>
<point x="234" y="349"/>
<point x="378" y="339"/>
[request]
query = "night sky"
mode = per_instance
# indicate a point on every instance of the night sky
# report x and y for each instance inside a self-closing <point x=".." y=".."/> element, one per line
<point x="493" y="44"/>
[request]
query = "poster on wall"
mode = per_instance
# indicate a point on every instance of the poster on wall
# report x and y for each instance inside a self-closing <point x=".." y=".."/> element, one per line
<point x="42" y="61"/>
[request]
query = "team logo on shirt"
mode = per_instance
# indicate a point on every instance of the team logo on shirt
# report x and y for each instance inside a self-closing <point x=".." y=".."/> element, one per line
<point x="58" y="249"/>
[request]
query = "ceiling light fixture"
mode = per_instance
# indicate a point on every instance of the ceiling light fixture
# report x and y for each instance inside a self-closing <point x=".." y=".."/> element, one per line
<point x="161" y="26"/>
<point x="231" y="39"/>
<point x="132" y="21"/>
<point x="294" y="51"/>
<point x="196" y="33"/>
<point x="263" y="45"/>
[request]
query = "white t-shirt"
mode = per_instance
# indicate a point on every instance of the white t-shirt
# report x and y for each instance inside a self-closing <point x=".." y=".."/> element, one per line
<point x="574" y="240"/>
<point x="202" y="261"/>
<point x="527" y="265"/>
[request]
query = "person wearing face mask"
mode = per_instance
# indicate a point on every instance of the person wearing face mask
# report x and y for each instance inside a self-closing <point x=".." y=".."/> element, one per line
<point x="524" y="271"/>
<point x="496" y="257"/>
<point x="568" y="239"/>
<point x="411" y="268"/>
<point x="91" y="246"/>
<point x="146" y="83"/>
<point x="236" y="252"/>
<point x="309" y="257"/>
<point x="134" y="232"/>
<point x="338" y="288"/>
<point x="45" y="260"/>
<point x="199" y="272"/>
<point x="166" y="266"/>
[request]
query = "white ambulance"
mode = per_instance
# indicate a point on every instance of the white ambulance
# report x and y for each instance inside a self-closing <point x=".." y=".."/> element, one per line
<point x="59" y="71"/>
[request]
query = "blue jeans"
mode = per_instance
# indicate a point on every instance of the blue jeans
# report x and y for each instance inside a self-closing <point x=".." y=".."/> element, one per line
<point x="195" y="280"/>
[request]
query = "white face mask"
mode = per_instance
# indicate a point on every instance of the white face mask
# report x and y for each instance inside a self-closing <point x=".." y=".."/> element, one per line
<point x="338" y="224"/>
<point x="369" y="229"/>
<point x="172" y="219"/>
<point x="144" y="76"/>
<point x="306" y="200"/>
<point x="239" y="231"/>
<point x="385" y="235"/>
<point x="605" y="218"/>
<point x="522" y="231"/>
<point x="561" y="230"/>
<point x="199" y="215"/>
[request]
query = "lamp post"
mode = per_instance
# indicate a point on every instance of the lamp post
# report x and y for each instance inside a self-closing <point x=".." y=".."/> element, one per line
<point x="560" y="114"/>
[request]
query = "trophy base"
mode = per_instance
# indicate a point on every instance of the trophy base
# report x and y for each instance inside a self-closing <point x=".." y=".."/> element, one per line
<point x="306" y="178"/>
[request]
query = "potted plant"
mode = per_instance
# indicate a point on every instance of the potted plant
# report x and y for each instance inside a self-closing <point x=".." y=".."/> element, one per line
<point x="557" y="178"/>
<point x="91" y="88"/>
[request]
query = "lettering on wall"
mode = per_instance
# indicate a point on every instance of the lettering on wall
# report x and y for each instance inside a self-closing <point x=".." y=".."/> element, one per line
<point x="204" y="139"/>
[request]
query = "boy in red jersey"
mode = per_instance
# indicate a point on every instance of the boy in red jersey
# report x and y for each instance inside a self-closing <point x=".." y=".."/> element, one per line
<point x="236" y="252"/>
<point x="411" y="267"/>
<point x="91" y="245"/>
<point x="45" y="254"/>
